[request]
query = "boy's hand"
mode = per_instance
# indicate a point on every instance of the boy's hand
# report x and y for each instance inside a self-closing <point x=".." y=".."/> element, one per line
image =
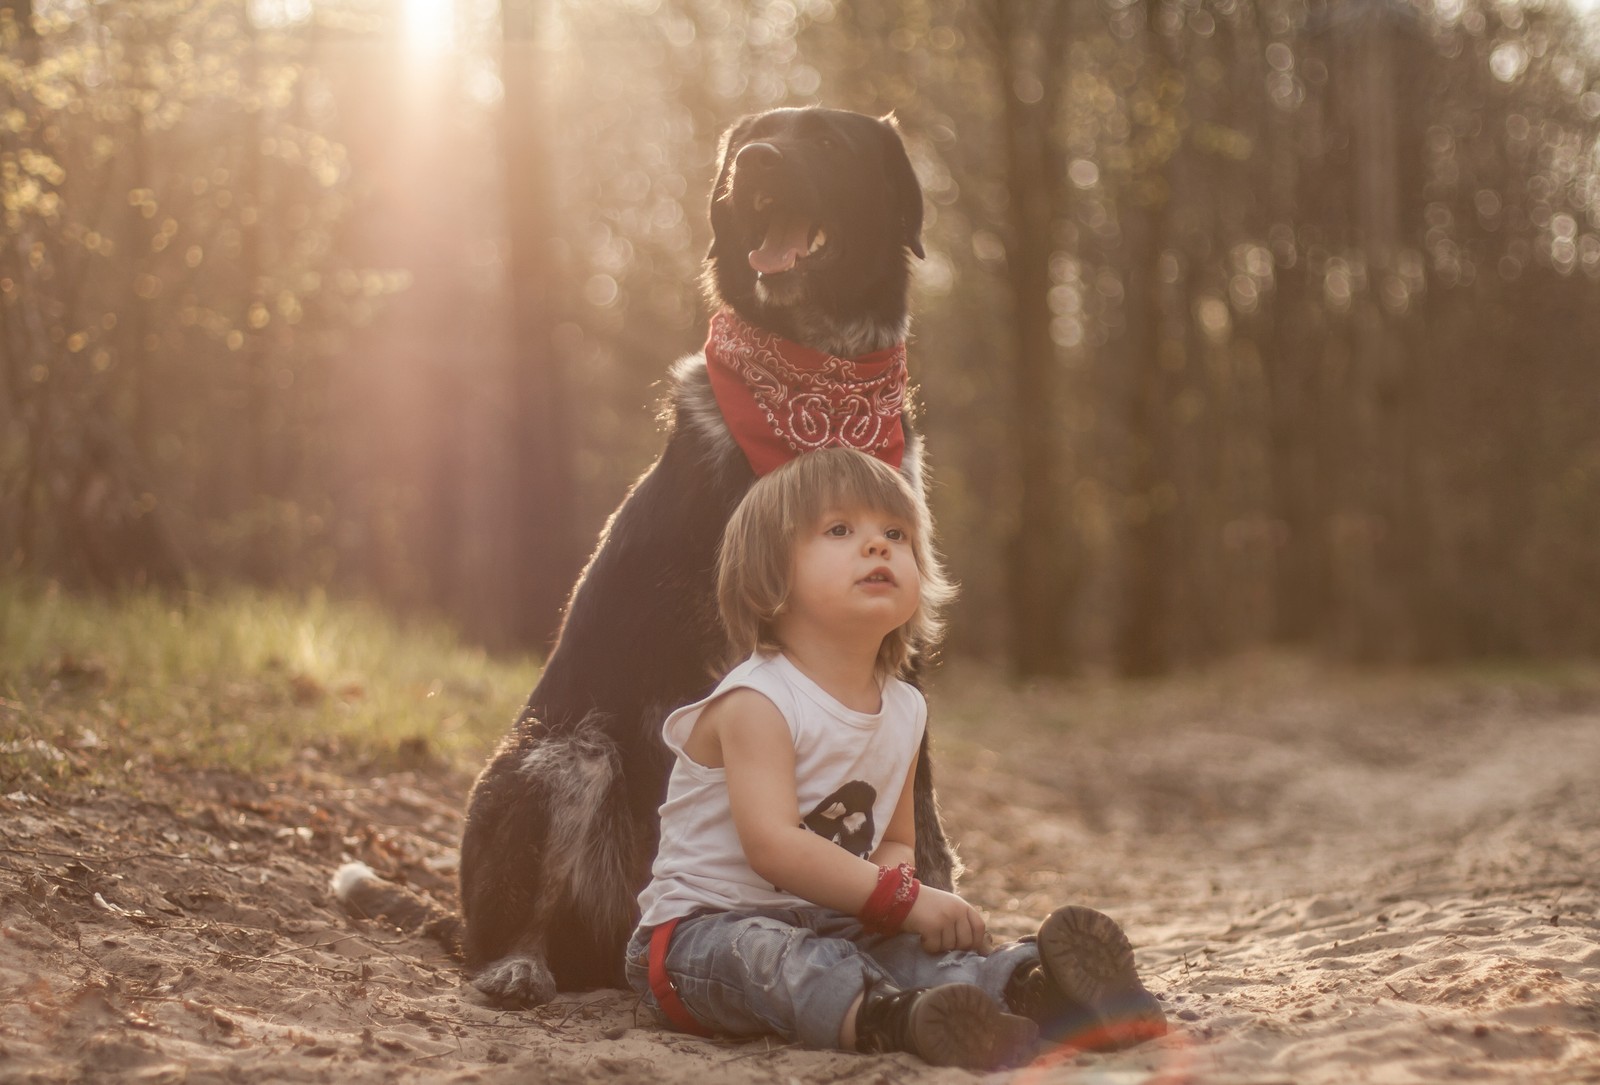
<point x="945" y="922"/>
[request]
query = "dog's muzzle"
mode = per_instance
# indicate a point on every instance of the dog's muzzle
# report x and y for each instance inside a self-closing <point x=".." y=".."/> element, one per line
<point x="767" y="207"/>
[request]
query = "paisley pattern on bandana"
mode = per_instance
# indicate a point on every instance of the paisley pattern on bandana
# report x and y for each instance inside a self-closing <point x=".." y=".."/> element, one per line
<point x="781" y="399"/>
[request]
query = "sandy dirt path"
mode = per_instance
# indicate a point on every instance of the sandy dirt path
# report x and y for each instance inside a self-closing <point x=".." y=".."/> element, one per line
<point x="1328" y="881"/>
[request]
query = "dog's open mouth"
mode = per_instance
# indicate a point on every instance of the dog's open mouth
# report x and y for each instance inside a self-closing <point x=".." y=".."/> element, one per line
<point x="774" y="209"/>
<point x="784" y="236"/>
<point x="787" y="237"/>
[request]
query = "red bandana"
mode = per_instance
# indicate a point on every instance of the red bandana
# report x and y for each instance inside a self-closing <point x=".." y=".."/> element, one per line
<point x="781" y="399"/>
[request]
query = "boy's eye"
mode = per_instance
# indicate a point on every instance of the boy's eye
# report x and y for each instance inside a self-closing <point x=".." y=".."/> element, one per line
<point x="839" y="530"/>
<point x="894" y="534"/>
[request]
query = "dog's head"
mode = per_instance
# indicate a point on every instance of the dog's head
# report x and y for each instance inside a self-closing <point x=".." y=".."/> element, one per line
<point x="813" y="218"/>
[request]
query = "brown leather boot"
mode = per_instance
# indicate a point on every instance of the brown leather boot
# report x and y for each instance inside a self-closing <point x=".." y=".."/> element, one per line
<point x="954" y="1024"/>
<point x="1083" y="990"/>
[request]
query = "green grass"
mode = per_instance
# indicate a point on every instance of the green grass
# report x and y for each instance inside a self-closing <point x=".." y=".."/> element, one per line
<point x="94" y="691"/>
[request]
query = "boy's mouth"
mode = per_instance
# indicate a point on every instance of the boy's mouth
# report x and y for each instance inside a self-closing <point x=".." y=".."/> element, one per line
<point x="878" y="576"/>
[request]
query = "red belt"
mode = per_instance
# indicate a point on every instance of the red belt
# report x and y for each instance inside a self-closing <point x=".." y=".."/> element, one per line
<point x="662" y="987"/>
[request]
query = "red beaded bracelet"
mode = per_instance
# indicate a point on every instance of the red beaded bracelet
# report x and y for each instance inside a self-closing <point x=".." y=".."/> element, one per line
<point x="886" y="909"/>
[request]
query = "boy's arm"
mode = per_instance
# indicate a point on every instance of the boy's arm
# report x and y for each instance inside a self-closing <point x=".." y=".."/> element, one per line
<point x="899" y="843"/>
<point x="758" y="753"/>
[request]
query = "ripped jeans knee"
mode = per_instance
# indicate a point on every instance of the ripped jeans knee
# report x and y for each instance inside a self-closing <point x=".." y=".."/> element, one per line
<point x="760" y="951"/>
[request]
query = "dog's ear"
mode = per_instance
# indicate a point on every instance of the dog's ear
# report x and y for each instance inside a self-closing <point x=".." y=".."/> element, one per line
<point x="730" y="139"/>
<point x="904" y="188"/>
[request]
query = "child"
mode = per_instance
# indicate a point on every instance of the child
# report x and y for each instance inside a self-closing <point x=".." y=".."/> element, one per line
<point x="783" y="897"/>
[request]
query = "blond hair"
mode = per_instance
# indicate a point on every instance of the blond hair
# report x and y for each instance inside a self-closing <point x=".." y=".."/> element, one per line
<point x="755" y="565"/>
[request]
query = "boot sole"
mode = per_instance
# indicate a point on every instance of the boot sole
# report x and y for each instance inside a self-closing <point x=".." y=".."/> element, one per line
<point x="1091" y="961"/>
<point x="958" y="1025"/>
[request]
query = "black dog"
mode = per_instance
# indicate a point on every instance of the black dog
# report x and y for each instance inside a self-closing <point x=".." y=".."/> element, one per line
<point x="562" y="823"/>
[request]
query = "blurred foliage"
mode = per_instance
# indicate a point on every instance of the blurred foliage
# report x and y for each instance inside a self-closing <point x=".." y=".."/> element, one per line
<point x="1242" y="321"/>
<point x="170" y="291"/>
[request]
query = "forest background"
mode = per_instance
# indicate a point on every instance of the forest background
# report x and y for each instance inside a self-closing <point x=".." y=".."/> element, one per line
<point x="1242" y="323"/>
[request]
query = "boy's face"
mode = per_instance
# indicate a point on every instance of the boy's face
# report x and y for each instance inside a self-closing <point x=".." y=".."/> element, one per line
<point x="855" y="572"/>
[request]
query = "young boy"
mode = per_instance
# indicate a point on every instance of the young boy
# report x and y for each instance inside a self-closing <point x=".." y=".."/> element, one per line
<point x="783" y="897"/>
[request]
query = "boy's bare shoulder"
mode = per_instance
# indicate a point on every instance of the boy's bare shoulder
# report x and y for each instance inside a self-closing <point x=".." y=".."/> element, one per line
<point x="742" y="703"/>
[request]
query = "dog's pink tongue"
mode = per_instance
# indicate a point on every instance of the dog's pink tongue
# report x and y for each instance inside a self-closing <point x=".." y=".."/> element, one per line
<point x="787" y="239"/>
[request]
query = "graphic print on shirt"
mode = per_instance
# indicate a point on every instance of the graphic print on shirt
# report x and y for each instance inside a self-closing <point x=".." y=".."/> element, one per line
<point x="845" y="817"/>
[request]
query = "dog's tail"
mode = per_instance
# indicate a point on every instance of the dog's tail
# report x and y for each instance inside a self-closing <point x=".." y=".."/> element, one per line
<point x="367" y="895"/>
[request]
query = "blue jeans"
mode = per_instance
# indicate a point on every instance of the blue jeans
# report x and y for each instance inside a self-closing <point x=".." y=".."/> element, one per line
<point x="796" y="971"/>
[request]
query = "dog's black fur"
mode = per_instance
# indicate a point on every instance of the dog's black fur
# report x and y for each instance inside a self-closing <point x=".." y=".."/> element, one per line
<point x="562" y="823"/>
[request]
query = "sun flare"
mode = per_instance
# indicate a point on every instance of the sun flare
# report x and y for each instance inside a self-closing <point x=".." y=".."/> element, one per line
<point x="430" y="25"/>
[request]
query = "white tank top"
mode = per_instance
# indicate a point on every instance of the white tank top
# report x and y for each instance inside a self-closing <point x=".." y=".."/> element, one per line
<point x="850" y="768"/>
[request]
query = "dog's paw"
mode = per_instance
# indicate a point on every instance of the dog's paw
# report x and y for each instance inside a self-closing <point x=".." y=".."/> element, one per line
<point x="516" y="981"/>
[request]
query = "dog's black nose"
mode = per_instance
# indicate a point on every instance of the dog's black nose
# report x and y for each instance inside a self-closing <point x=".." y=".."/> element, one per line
<point x="757" y="158"/>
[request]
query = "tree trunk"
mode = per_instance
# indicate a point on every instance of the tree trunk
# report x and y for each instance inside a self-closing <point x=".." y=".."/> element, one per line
<point x="544" y="557"/>
<point x="263" y="479"/>
<point x="1144" y="637"/>
<point x="1299" y="586"/>
<point x="1040" y="568"/>
<point x="19" y="395"/>
<point x="1369" y="562"/>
